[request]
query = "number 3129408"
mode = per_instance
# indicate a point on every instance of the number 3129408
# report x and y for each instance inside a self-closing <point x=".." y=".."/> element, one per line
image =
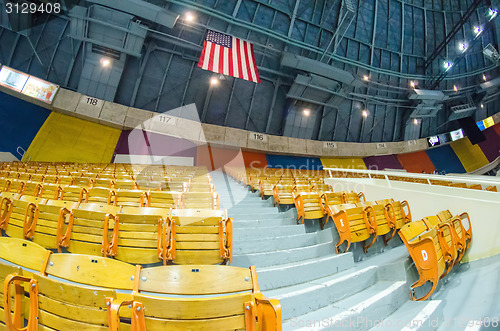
<point x="32" y="8"/>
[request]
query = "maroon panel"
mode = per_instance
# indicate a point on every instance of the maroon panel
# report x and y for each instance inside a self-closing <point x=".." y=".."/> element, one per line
<point x="382" y="162"/>
<point x="491" y="145"/>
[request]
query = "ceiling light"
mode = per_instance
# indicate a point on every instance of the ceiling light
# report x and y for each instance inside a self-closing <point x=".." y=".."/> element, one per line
<point x="412" y="84"/>
<point x="415" y="121"/>
<point x="306" y="112"/>
<point x="455" y="88"/>
<point x="105" y="62"/>
<point x="485" y="78"/>
<point x="365" y="113"/>
<point x="214" y="81"/>
<point x="478" y="30"/>
<point x="189" y="17"/>
<point x="366" y="78"/>
<point x="447" y="65"/>
<point x="482" y="105"/>
<point x="463" y="47"/>
<point x="493" y="13"/>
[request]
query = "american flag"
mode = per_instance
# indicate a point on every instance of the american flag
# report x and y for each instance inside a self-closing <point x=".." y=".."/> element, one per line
<point x="228" y="55"/>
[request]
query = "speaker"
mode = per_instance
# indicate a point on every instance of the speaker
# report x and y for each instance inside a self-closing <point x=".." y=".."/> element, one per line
<point x="471" y="130"/>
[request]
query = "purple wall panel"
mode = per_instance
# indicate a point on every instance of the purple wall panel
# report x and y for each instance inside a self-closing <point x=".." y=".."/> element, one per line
<point x="138" y="142"/>
<point x="381" y="162"/>
<point x="491" y="145"/>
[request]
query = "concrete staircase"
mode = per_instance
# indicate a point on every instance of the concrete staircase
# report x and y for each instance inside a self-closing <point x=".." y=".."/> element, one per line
<point x="319" y="289"/>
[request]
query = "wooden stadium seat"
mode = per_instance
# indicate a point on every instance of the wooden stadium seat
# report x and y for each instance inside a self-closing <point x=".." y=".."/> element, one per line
<point x="33" y="189"/>
<point x="353" y="197"/>
<point x="140" y="235"/>
<point x="64" y="180"/>
<point x="5" y="270"/>
<point x="397" y="211"/>
<point x="127" y="184"/>
<point x="51" y="308"/>
<point x="51" y="191"/>
<point x="103" y="182"/>
<point x="463" y="236"/>
<point x="131" y="198"/>
<point x="321" y="188"/>
<point x="475" y="187"/>
<point x="425" y="250"/>
<point x="163" y="199"/>
<point x="266" y="187"/>
<point x="200" y="200"/>
<point x="460" y="185"/>
<point x="491" y="188"/>
<point x="23" y="253"/>
<point x="99" y="195"/>
<point x="82" y="181"/>
<point x="201" y="297"/>
<point x="172" y="186"/>
<point x="283" y="194"/>
<point x="377" y="215"/>
<point x="88" y="230"/>
<point x="308" y="206"/>
<point x="352" y="225"/>
<point x="13" y="214"/>
<point x="332" y="198"/>
<point x="200" y="236"/>
<point x="199" y="187"/>
<point x="447" y="240"/>
<point x="38" y="178"/>
<point x="73" y="193"/>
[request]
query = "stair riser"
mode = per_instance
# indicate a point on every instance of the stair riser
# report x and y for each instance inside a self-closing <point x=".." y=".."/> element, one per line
<point x="276" y="278"/>
<point x="241" y="234"/>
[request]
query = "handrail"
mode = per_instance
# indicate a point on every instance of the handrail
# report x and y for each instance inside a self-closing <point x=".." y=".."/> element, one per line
<point x="468" y="179"/>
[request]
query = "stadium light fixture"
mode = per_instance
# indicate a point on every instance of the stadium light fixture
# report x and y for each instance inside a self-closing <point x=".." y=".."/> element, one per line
<point x="306" y="112"/>
<point x="492" y="13"/>
<point x="214" y="81"/>
<point x="485" y="78"/>
<point x="463" y="46"/>
<point x="415" y="121"/>
<point x="365" y="113"/>
<point x="447" y="64"/>
<point x="413" y="83"/>
<point x="105" y="62"/>
<point x="366" y="78"/>
<point x="477" y="30"/>
<point x="189" y="17"/>
<point x="455" y="88"/>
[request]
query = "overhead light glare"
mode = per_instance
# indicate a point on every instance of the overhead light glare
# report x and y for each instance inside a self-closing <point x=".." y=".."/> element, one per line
<point x="365" y="113"/>
<point x="189" y="17"/>
<point x="306" y="112"/>
<point x="463" y="46"/>
<point x="492" y="13"/>
<point x="105" y="62"/>
<point x="214" y="81"/>
<point x="478" y="30"/>
<point x="455" y="88"/>
<point x="447" y="65"/>
<point x="485" y="78"/>
<point x="366" y="78"/>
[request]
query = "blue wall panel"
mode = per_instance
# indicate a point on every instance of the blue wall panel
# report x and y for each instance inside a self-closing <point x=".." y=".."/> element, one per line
<point x="294" y="162"/>
<point x="445" y="160"/>
<point x="19" y="123"/>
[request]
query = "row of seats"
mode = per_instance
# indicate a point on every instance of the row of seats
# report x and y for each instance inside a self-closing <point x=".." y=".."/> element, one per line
<point x="56" y="291"/>
<point x="121" y="197"/>
<point x="436" y="244"/>
<point x="132" y="234"/>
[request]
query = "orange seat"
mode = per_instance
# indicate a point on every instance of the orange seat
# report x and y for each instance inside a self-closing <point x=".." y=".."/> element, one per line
<point x="376" y="214"/>
<point x="308" y="206"/>
<point x="398" y="211"/>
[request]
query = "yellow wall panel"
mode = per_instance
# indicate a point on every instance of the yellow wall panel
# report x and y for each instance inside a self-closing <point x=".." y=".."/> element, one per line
<point x="64" y="138"/>
<point x="356" y="163"/>
<point x="471" y="156"/>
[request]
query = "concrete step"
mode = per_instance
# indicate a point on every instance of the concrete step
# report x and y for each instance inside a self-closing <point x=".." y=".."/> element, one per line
<point x="303" y="271"/>
<point x="259" y="221"/>
<point x="245" y="233"/>
<point x="303" y="298"/>
<point x="283" y="256"/>
<point x="255" y="210"/>
<point x="357" y="312"/>
<point x="414" y="315"/>
<point x="259" y="245"/>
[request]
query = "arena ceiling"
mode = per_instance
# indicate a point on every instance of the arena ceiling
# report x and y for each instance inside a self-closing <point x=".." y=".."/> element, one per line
<point x="341" y="70"/>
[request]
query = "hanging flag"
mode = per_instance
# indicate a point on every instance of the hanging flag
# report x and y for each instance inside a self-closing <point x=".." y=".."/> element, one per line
<point x="228" y="55"/>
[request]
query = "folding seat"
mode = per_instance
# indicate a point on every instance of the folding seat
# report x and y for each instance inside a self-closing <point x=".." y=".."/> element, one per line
<point x="462" y="235"/>
<point x="200" y="200"/>
<point x="51" y="308"/>
<point x="200" y="236"/>
<point x="131" y="198"/>
<point x="5" y="270"/>
<point x="283" y="194"/>
<point x="42" y="227"/>
<point x="73" y="193"/>
<point x="50" y="179"/>
<point x="254" y="182"/>
<point x="126" y="184"/>
<point x="64" y="180"/>
<point x="321" y="188"/>
<point x="173" y="186"/>
<point x="38" y="178"/>
<point x="140" y="235"/>
<point x="332" y="198"/>
<point x="352" y="224"/>
<point x="266" y="186"/>
<point x="82" y="181"/>
<point x="198" y="187"/>
<point x="13" y="214"/>
<point x="492" y="188"/>
<point x="377" y="215"/>
<point x="475" y="187"/>
<point x="308" y="206"/>
<point x="397" y="211"/>
<point x="163" y="199"/>
<point x="425" y="250"/>
<point x="24" y="176"/>
<point x="14" y="185"/>
<point x="447" y="240"/>
<point x="88" y="230"/>
<point x="98" y="195"/>
<point x="460" y="185"/>
<point x="195" y="298"/>
<point x="353" y="197"/>
<point x="103" y="182"/>
<point x="33" y="189"/>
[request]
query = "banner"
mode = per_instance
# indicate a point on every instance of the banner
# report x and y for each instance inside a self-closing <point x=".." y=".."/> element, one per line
<point x="40" y="89"/>
<point x="12" y="79"/>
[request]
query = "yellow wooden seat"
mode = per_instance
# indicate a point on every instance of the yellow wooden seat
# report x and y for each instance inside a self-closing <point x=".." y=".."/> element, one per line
<point x="198" y="187"/>
<point x="82" y="181"/>
<point x="201" y="297"/>
<point x="266" y="186"/>
<point x="447" y="240"/>
<point x="57" y="305"/>
<point x="173" y="186"/>
<point x="352" y="225"/>
<point x="98" y="195"/>
<point x="200" y="236"/>
<point x="64" y="180"/>
<point x="126" y="184"/>
<point x="51" y="191"/>
<point x="140" y="235"/>
<point x="425" y="250"/>
<point x="13" y="214"/>
<point x="130" y="198"/>
<point x="200" y="200"/>
<point x="377" y="215"/>
<point x="163" y="199"/>
<point x="103" y="182"/>
<point x="332" y="198"/>
<point x="353" y="197"/>
<point x="462" y="235"/>
<point x="5" y="270"/>
<point x="283" y="194"/>
<point x="398" y="211"/>
<point x="88" y="230"/>
<point x="308" y="205"/>
<point x="73" y="193"/>
<point x="321" y="188"/>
